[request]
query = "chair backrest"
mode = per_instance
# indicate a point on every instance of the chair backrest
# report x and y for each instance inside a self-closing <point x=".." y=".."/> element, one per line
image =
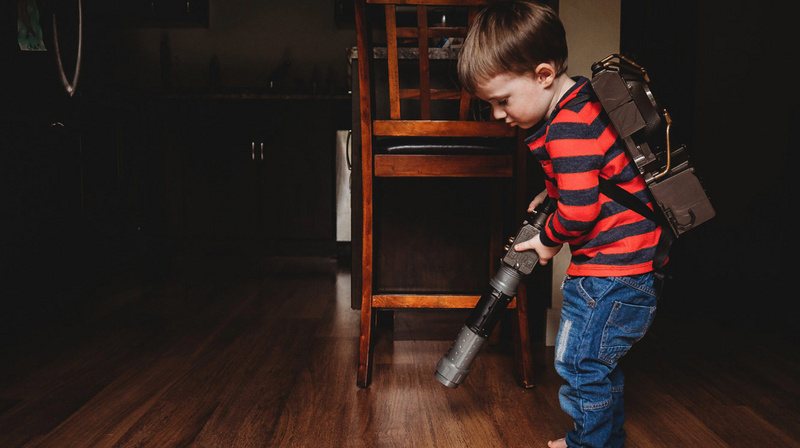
<point x="418" y="32"/>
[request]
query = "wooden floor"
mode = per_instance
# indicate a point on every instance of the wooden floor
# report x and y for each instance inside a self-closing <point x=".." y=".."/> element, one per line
<point x="262" y="353"/>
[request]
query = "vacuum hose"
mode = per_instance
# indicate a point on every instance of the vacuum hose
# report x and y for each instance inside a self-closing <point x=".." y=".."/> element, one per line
<point x="454" y="366"/>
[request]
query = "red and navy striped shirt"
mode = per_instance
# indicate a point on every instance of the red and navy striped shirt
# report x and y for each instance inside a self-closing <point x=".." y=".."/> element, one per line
<point x="576" y="145"/>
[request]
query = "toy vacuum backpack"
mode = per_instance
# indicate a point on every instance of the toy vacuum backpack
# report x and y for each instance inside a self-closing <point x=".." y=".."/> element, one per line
<point x="622" y="88"/>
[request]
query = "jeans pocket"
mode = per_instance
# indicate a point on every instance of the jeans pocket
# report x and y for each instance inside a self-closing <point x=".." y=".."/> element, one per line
<point x="626" y="325"/>
<point x="591" y="289"/>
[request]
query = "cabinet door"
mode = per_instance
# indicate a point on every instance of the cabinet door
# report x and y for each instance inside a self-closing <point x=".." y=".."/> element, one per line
<point x="41" y="185"/>
<point x="258" y="174"/>
<point x="299" y="172"/>
<point x="221" y="155"/>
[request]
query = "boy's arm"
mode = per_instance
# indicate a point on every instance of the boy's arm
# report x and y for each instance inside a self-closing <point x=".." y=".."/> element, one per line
<point x="577" y="152"/>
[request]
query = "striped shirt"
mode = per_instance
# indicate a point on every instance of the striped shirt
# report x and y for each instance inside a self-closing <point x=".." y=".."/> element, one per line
<point x="575" y="146"/>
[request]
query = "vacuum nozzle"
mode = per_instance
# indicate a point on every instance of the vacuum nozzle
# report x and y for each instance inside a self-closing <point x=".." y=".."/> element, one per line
<point x="453" y="367"/>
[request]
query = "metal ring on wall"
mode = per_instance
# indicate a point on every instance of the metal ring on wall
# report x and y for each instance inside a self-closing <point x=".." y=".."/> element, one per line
<point x="69" y="86"/>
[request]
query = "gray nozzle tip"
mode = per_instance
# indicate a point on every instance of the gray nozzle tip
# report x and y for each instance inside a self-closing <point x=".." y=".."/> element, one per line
<point x="445" y="381"/>
<point x="449" y="374"/>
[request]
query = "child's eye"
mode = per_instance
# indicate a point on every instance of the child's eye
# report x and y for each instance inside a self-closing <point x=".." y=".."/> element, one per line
<point x="502" y="102"/>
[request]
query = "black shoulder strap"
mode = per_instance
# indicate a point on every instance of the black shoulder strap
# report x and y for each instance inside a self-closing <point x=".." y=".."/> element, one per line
<point x="623" y="197"/>
<point x="627" y="199"/>
<point x="577" y="99"/>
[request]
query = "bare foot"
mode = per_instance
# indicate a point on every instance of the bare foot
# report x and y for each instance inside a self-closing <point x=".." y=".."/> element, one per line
<point x="560" y="443"/>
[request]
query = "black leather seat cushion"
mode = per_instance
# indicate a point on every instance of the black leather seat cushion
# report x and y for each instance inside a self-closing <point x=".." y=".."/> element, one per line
<point x="443" y="145"/>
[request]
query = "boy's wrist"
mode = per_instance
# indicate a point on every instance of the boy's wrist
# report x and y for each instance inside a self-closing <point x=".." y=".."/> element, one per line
<point x="547" y="241"/>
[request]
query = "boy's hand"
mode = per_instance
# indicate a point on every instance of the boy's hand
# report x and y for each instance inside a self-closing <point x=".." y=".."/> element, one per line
<point x="537" y="200"/>
<point x="546" y="253"/>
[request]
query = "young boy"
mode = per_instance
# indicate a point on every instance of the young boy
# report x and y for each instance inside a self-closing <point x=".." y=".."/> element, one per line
<point x="515" y="58"/>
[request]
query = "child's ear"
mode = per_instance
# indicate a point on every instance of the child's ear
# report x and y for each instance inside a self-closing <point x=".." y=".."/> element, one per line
<point x="545" y="74"/>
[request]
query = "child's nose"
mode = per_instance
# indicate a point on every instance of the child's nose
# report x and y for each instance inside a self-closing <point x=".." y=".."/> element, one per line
<point x="498" y="113"/>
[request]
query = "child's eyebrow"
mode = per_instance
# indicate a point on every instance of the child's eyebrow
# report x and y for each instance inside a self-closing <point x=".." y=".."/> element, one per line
<point x="497" y="97"/>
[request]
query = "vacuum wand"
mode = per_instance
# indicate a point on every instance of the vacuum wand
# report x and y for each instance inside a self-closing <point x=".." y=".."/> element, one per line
<point x="454" y="366"/>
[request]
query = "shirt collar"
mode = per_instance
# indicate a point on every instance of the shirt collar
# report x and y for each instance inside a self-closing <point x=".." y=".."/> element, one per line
<point x="580" y="87"/>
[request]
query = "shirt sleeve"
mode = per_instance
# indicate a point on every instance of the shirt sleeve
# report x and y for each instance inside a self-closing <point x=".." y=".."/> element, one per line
<point x="576" y="143"/>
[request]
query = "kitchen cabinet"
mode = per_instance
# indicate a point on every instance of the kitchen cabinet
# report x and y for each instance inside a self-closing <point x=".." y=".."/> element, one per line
<point x="153" y="13"/>
<point x="122" y="172"/>
<point x="256" y="171"/>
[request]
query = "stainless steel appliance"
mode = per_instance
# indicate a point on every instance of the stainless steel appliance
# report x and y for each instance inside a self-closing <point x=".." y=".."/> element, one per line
<point x="343" y="185"/>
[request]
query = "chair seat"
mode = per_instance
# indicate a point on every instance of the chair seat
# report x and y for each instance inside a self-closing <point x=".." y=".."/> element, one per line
<point x="443" y="145"/>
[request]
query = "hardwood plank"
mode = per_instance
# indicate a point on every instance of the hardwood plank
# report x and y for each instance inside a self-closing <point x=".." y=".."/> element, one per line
<point x="325" y="409"/>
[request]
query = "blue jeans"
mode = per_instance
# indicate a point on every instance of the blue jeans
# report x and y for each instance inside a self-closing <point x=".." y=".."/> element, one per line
<point x="601" y="318"/>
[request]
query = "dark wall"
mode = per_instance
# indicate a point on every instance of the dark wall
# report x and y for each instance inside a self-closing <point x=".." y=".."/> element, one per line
<point x="96" y="184"/>
<point x="721" y="69"/>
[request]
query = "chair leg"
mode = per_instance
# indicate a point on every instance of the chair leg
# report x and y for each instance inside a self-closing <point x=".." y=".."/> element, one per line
<point x="523" y="348"/>
<point x="364" y="375"/>
<point x="496" y="221"/>
<point x="522" y="340"/>
<point x="367" y="314"/>
<point x="519" y="325"/>
<point x="365" y="344"/>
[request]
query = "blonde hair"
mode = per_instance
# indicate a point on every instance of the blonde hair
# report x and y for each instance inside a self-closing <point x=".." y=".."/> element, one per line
<point x="511" y="36"/>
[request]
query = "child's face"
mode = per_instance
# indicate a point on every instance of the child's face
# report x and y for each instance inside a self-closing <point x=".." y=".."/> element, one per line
<point x="519" y="100"/>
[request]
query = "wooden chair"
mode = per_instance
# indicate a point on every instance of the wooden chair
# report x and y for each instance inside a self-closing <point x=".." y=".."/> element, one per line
<point x="427" y="146"/>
